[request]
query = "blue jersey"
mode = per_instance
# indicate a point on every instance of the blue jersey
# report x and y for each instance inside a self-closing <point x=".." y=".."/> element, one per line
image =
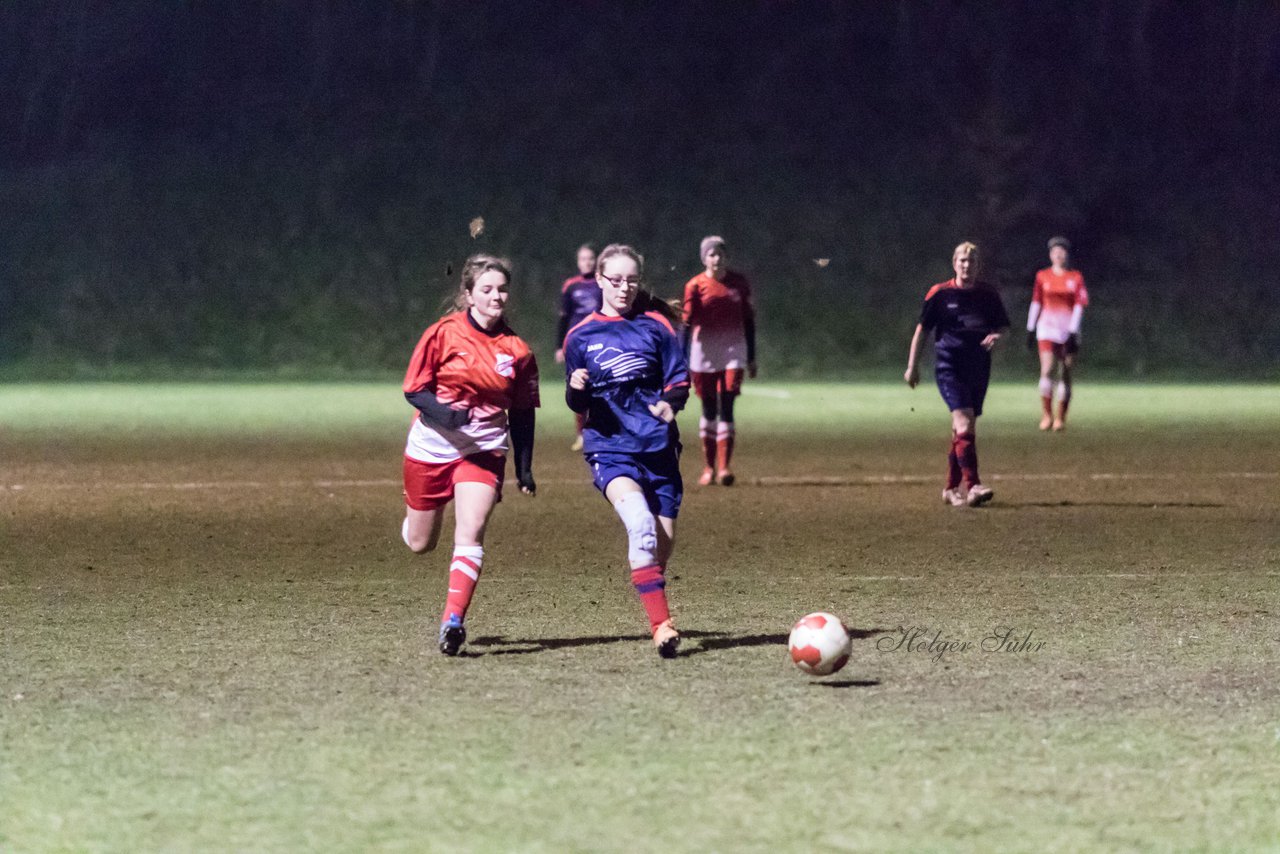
<point x="631" y="363"/>
<point x="579" y="297"/>
<point x="960" y="319"/>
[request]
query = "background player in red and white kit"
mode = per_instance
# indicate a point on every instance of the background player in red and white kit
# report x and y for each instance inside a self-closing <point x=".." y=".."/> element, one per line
<point x="969" y="318"/>
<point x="579" y="296"/>
<point x="472" y="380"/>
<point x="721" y="329"/>
<point x="1053" y="328"/>
<point x="626" y="370"/>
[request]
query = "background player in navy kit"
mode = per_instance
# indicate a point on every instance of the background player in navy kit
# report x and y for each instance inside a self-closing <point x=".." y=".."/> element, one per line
<point x="627" y="372"/>
<point x="968" y="318"/>
<point x="579" y="296"/>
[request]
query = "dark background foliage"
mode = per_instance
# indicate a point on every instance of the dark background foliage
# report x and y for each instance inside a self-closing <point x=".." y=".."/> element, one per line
<point x="242" y="184"/>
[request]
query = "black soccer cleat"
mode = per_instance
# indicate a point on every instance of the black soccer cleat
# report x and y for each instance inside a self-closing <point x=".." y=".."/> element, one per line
<point x="452" y="636"/>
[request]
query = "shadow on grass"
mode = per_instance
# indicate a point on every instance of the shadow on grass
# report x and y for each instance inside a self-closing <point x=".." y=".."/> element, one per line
<point x="704" y="642"/>
<point x="1151" y="505"/>
<point x="846" y="683"/>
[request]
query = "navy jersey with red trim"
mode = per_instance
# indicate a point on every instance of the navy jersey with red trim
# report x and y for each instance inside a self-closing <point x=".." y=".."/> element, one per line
<point x="579" y="297"/>
<point x="630" y="362"/>
<point x="961" y="317"/>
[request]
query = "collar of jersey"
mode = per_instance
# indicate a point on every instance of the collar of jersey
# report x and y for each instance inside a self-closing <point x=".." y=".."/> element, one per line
<point x="492" y="333"/>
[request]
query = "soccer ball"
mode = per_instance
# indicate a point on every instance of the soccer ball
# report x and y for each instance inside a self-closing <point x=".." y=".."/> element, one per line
<point x="819" y="644"/>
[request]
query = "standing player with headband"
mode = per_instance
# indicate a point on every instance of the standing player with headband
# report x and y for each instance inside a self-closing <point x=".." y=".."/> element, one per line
<point x="579" y="296"/>
<point x="472" y="380"/>
<point x="627" y="372"/>
<point x="1058" y="301"/>
<point x="967" y="318"/>
<point x="721" y="331"/>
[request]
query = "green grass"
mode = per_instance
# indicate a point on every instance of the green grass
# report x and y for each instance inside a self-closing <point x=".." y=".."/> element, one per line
<point x="211" y="637"/>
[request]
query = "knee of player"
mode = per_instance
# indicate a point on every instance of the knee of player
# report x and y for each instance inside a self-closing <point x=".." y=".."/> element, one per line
<point x="419" y="542"/>
<point x="642" y="529"/>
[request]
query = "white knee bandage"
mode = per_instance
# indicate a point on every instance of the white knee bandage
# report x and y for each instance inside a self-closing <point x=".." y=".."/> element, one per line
<point x="1046" y="387"/>
<point x="1064" y="391"/>
<point x="642" y="531"/>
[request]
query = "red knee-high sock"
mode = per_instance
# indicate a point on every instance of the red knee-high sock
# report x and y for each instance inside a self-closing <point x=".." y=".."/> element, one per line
<point x="651" y="585"/>
<point x="724" y="445"/>
<point x="966" y="451"/>
<point x="707" y="432"/>
<point x="953" y="465"/>
<point x="464" y="572"/>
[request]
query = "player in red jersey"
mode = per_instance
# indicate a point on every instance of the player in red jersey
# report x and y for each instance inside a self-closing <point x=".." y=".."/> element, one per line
<point x="472" y="380"/>
<point x="968" y="318"/>
<point x="720" y="325"/>
<point x="579" y="296"/>
<point x="1053" y="328"/>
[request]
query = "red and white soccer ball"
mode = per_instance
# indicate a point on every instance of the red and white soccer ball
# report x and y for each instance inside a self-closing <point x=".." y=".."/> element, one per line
<point x="820" y="644"/>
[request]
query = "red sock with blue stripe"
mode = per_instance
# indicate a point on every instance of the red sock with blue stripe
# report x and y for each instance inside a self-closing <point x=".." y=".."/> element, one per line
<point x="966" y="451"/>
<point x="651" y="584"/>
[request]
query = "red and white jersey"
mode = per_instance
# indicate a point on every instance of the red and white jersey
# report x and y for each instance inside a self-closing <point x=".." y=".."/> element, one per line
<point x="718" y="314"/>
<point x="487" y="372"/>
<point x="1056" y="304"/>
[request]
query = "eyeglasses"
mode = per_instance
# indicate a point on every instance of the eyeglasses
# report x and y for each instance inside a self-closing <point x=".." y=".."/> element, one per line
<point x="622" y="280"/>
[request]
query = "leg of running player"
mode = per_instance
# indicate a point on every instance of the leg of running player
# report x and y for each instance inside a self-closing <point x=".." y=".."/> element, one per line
<point x="708" y="427"/>
<point x="421" y="529"/>
<point x="965" y="445"/>
<point x="1064" y="390"/>
<point x="473" y="503"/>
<point x="650" y="542"/>
<point x="725" y="435"/>
<point x="1046" y="387"/>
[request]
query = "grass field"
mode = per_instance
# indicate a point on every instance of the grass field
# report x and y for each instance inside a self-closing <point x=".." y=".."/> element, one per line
<point x="212" y="638"/>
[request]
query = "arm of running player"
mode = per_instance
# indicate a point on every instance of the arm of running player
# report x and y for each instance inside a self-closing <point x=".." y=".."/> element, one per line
<point x="675" y="378"/>
<point x="999" y="322"/>
<point x="435" y="413"/>
<point x="521" y="423"/>
<point x="912" y="376"/>
<point x="577" y="391"/>
<point x="1033" y="314"/>
<point x="749" y="327"/>
<point x="562" y="323"/>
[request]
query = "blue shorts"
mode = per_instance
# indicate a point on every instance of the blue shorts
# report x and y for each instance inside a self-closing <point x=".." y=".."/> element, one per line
<point x="964" y="387"/>
<point x="658" y="474"/>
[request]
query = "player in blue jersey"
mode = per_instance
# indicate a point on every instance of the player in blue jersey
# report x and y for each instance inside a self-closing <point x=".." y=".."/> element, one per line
<point x="627" y="372"/>
<point x="967" y="318"/>
<point x="579" y="296"/>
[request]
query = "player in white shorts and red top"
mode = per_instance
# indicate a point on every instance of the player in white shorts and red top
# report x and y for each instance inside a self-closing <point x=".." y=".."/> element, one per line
<point x="472" y="380"/>
<point x="720" y="327"/>
<point x="1053" y="329"/>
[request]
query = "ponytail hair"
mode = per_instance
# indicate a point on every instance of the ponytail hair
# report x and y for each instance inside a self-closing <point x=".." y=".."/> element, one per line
<point x="473" y="268"/>
<point x="645" y="300"/>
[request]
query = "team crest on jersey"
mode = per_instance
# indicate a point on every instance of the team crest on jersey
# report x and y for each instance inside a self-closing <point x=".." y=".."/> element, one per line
<point x="621" y="365"/>
<point x="505" y="365"/>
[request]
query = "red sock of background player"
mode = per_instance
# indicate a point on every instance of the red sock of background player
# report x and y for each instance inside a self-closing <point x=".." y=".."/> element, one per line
<point x="724" y="445"/>
<point x="651" y="586"/>
<point x="464" y="572"/>
<point x="967" y="453"/>
<point x="953" y="465"/>
<point x="707" y="432"/>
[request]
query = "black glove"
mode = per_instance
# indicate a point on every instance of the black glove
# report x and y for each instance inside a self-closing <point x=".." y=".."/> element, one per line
<point x="1031" y="341"/>
<point x="1073" y="343"/>
<point x="525" y="481"/>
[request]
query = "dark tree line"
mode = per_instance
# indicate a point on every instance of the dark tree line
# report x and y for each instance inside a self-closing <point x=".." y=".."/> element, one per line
<point x="251" y="183"/>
